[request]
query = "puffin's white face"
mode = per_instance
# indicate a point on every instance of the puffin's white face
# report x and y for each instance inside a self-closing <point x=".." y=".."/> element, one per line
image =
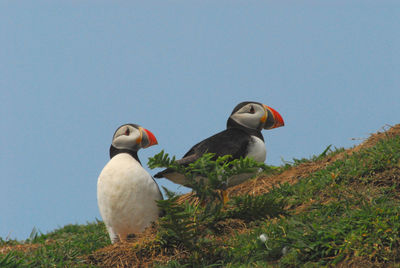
<point x="257" y="116"/>
<point x="133" y="137"/>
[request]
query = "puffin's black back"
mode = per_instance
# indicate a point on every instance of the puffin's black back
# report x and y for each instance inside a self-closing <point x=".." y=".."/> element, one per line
<point x="232" y="141"/>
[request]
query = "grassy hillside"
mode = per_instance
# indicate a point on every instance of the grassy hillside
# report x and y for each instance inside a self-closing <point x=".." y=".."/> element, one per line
<point x="338" y="208"/>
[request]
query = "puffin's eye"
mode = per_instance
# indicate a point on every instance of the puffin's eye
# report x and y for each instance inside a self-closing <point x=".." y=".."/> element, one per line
<point x="127" y="132"/>
<point x="252" y="111"/>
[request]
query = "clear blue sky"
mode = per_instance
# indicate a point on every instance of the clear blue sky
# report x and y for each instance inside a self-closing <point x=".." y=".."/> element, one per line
<point x="71" y="72"/>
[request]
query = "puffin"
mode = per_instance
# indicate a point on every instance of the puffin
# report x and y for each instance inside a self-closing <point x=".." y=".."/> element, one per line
<point x="126" y="192"/>
<point x="241" y="138"/>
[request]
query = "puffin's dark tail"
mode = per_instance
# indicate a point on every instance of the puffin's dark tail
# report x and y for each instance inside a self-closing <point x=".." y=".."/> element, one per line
<point x="161" y="174"/>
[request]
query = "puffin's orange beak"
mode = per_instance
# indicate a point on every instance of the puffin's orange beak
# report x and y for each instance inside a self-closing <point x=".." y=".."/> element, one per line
<point x="271" y="118"/>
<point x="150" y="136"/>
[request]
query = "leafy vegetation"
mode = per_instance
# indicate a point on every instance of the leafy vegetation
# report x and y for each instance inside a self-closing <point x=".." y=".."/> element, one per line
<point x="346" y="212"/>
<point x="207" y="175"/>
<point x="195" y="225"/>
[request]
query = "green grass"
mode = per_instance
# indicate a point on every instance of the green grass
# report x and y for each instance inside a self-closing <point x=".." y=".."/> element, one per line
<point x="350" y="210"/>
<point x="64" y="247"/>
<point x="347" y="216"/>
<point x="314" y="158"/>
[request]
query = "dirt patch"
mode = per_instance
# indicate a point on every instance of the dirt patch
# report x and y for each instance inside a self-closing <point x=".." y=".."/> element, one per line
<point x="389" y="177"/>
<point x="23" y="247"/>
<point x="360" y="261"/>
<point x="230" y="226"/>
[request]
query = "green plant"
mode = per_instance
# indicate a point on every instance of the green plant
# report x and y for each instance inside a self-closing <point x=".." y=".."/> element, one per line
<point x="194" y="225"/>
<point x="207" y="174"/>
<point x="10" y="260"/>
<point x="251" y="208"/>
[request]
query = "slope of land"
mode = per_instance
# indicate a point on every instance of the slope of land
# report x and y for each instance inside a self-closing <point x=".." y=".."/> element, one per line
<point x="340" y="208"/>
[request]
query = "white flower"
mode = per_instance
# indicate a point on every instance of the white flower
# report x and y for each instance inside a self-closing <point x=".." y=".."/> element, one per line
<point x="285" y="250"/>
<point x="263" y="238"/>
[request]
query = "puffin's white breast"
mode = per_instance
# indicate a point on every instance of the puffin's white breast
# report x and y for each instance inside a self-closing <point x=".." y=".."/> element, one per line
<point x="126" y="195"/>
<point x="257" y="150"/>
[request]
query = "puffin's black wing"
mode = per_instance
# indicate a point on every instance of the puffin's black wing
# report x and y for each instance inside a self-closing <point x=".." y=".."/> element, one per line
<point x="232" y="141"/>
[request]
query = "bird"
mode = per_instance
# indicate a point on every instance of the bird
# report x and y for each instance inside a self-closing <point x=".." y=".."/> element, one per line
<point x="241" y="138"/>
<point x="126" y="192"/>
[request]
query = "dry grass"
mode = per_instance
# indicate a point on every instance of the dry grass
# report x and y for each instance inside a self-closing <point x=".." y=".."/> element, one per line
<point x="144" y="250"/>
<point x="21" y="247"/>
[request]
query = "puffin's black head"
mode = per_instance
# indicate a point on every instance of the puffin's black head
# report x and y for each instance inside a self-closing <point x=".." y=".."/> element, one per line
<point x="255" y="115"/>
<point x="131" y="138"/>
